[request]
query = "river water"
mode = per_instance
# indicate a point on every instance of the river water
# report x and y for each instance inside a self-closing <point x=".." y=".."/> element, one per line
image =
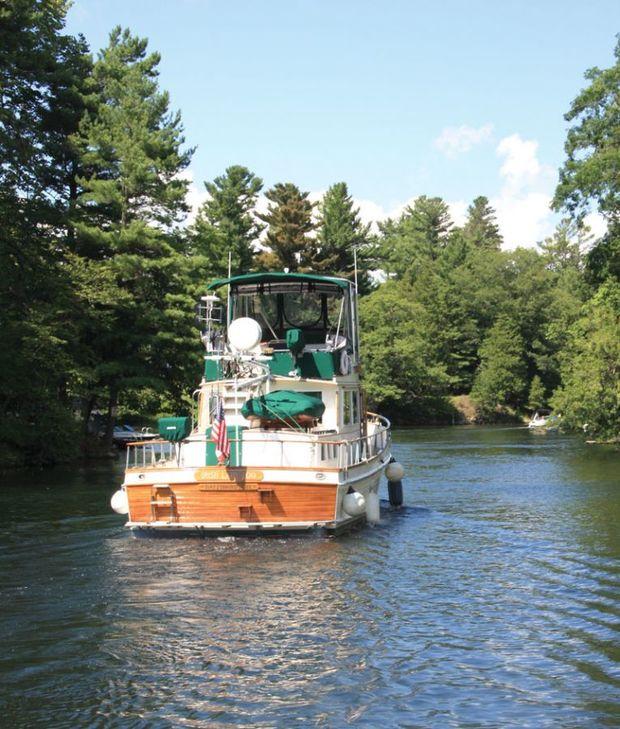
<point x="492" y="599"/>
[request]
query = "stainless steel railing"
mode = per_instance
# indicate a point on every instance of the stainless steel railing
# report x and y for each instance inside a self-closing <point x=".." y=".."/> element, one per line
<point x="341" y="454"/>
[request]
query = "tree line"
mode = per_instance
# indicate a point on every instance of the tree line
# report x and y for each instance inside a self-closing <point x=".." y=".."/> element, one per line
<point x="100" y="269"/>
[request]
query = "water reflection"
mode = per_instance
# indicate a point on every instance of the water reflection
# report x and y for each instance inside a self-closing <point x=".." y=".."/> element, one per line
<point x="491" y="600"/>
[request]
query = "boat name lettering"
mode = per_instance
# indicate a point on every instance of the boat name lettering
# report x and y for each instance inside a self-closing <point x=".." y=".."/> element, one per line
<point x="228" y="476"/>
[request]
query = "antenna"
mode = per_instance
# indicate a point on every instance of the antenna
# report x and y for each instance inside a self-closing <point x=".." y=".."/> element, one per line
<point x="228" y="292"/>
<point x="356" y="325"/>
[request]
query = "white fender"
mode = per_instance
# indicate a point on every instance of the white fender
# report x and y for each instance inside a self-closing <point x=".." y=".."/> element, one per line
<point x="119" y="502"/>
<point x="354" y="503"/>
<point x="394" y="471"/>
<point x="373" y="509"/>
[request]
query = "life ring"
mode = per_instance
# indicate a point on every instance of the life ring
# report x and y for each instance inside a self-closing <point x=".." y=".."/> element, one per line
<point x="345" y="363"/>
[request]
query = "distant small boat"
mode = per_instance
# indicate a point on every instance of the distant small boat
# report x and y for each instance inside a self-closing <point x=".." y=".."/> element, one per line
<point x="124" y="434"/>
<point x="540" y="419"/>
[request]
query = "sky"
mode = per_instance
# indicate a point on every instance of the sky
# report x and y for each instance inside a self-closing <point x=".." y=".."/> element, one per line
<point x="397" y="98"/>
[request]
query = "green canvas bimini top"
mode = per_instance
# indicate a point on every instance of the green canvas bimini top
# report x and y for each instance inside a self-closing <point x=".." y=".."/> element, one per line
<point x="278" y="277"/>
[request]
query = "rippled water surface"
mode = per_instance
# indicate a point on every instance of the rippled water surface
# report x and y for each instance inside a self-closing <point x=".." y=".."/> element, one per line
<point x="492" y="599"/>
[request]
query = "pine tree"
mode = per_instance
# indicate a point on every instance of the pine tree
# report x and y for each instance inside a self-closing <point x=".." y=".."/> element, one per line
<point x="288" y="241"/>
<point x="420" y="234"/>
<point x="132" y="197"/>
<point x="340" y="232"/>
<point x="565" y="249"/>
<point x="480" y="229"/>
<point x="226" y="223"/>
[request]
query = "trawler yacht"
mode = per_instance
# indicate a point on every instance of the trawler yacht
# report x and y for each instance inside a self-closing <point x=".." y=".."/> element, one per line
<point x="280" y="439"/>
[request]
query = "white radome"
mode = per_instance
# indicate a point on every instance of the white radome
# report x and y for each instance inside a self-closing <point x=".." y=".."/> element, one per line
<point x="394" y="471"/>
<point x="244" y="334"/>
<point x="118" y="502"/>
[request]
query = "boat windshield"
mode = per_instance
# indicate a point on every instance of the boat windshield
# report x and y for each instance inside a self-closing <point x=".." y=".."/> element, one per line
<point x="320" y="311"/>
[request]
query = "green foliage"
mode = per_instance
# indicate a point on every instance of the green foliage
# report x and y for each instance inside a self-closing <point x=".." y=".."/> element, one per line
<point x="401" y="373"/>
<point x="501" y="378"/>
<point x="420" y="234"/>
<point x="226" y="224"/>
<point x="480" y="229"/>
<point x="288" y="241"/>
<point x="340" y="232"/>
<point x="590" y="393"/>
<point x="590" y="173"/>
<point x="132" y="195"/>
<point x="41" y="74"/>
<point x="99" y="277"/>
<point x="536" y="398"/>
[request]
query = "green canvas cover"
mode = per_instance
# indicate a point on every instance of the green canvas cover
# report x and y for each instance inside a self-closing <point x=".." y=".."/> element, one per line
<point x="284" y="405"/>
<point x="174" y="429"/>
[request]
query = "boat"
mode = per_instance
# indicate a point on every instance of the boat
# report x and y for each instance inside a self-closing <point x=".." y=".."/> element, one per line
<point x="539" y="419"/>
<point x="124" y="434"/>
<point x="280" y="439"/>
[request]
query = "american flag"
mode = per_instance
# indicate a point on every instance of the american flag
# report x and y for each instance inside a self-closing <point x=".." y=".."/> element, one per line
<point x="219" y="433"/>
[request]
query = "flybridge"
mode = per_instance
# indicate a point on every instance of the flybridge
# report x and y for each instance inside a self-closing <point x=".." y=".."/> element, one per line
<point x="312" y="317"/>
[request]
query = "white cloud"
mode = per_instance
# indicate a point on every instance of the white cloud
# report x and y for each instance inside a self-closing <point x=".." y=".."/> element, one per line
<point x="458" y="211"/>
<point x="523" y="203"/>
<point x="196" y="195"/>
<point x="457" y="140"/>
<point x="523" y="219"/>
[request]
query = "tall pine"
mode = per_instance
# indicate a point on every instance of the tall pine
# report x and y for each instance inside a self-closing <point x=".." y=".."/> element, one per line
<point x="340" y="233"/>
<point x="290" y="226"/>
<point x="481" y="229"/>
<point x="226" y="223"/>
<point x="420" y="235"/>
<point x="128" y="247"/>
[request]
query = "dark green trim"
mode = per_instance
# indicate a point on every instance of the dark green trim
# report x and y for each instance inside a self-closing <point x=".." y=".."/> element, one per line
<point x="213" y="370"/>
<point x="315" y="365"/>
<point x="278" y="277"/>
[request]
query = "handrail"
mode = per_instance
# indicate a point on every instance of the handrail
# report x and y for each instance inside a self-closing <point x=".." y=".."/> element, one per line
<point x="346" y="451"/>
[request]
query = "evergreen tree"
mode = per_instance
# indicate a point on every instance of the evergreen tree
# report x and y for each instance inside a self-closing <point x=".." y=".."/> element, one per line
<point x="340" y="232"/>
<point x="501" y="378"/>
<point x="132" y="197"/>
<point x="41" y="73"/>
<point x="288" y="241"/>
<point x="564" y="250"/>
<point x="226" y="223"/>
<point x="421" y="233"/>
<point x="480" y="229"/>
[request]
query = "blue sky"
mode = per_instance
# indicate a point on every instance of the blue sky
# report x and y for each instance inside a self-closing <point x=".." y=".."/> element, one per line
<point x="396" y="98"/>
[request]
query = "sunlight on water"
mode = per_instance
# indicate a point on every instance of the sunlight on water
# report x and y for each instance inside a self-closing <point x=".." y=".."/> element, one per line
<point x="491" y="599"/>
